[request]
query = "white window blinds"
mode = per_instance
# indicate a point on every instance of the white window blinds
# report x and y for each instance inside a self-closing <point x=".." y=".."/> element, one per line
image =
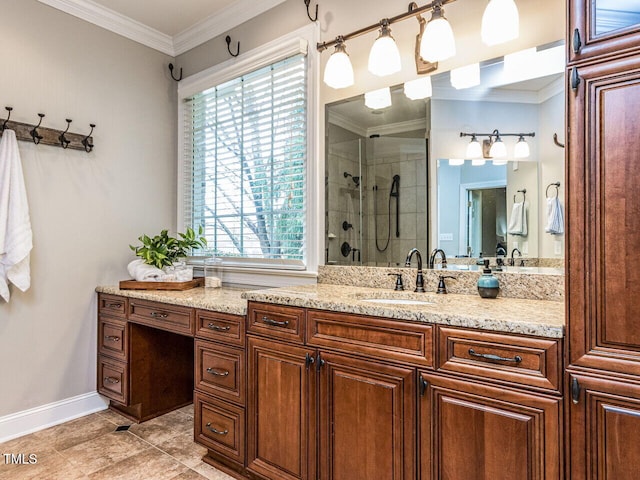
<point x="246" y="161"/>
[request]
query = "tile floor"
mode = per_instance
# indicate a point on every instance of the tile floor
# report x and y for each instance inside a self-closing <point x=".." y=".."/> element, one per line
<point x="91" y="448"/>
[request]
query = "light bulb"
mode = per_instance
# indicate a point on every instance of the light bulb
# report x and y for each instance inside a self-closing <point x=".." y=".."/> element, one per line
<point x="339" y="73"/>
<point x="378" y="99"/>
<point x="465" y="77"/>
<point x="437" y="42"/>
<point x="418" y="89"/>
<point x="384" y="57"/>
<point x="474" y="149"/>
<point x="521" y="149"/>
<point x="498" y="149"/>
<point x="500" y="22"/>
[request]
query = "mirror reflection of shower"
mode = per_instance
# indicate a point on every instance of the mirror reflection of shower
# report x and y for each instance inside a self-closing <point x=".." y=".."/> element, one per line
<point x="394" y="192"/>
<point x="356" y="180"/>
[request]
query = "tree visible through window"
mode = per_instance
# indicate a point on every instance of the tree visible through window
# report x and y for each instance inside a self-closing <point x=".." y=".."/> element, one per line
<point x="247" y="142"/>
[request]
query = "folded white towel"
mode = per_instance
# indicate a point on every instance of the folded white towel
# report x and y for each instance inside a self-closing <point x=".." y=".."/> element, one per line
<point x="555" y="218"/>
<point x="142" y="272"/>
<point x="518" y="220"/>
<point x="16" y="239"/>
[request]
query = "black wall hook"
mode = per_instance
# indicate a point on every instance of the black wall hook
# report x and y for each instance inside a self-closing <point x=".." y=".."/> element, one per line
<point x="307" y="2"/>
<point x="228" y="40"/>
<point x="64" y="142"/>
<point x="4" y="125"/>
<point x="88" y="146"/>
<point x="171" y="71"/>
<point x="34" y="132"/>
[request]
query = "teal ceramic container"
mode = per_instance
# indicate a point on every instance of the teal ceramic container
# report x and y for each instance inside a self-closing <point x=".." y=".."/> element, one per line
<point x="488" y="285"/>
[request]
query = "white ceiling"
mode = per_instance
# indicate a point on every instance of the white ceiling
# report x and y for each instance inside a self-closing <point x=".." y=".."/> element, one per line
<point x="170" y="26"/>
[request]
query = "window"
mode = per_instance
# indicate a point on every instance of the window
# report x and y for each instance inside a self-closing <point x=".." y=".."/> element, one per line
<point x="245" y="161"/>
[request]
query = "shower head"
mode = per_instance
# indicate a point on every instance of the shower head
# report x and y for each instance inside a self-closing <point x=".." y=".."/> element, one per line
<point x="356" y="180"/>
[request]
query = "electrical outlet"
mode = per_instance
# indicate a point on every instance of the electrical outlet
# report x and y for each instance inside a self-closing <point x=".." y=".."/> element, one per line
<point x="446" y="237"/>
<point x="516" y="244"/>
<point x="557" y="247"/>
<point x="525" y="248"/>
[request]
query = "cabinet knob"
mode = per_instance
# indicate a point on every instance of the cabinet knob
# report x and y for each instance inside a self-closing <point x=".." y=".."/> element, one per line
<point x="577" y="43"/>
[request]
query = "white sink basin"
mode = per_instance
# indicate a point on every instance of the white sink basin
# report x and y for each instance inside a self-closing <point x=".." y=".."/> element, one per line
<point x="397" y="301"/>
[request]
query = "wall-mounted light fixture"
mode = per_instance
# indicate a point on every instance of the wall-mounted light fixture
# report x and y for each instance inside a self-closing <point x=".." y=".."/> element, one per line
<point x="494" y="147"/>
<point x="436" y="39"/>
<point x="339" y="73"/>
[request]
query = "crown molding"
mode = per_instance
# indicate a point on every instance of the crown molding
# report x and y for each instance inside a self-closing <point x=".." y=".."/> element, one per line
<point x="346" y="123"/>
<point x="113" y="21"/>
<point x="223" y="21"/>
<point x="398" y="127"/>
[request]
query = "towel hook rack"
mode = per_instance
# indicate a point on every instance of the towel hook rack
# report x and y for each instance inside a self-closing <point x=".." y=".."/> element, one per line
<point x="307" y="2"/>
<point x="4" y="125"/>
<point x="555" y="140"/>
<point x="228" y="40"/>
<point x="524" y="195"/>
<point x="34" y="131"/>
<point x="554" y="184"/>
<point x="171" y="71"/>
<point x="86" y="142"/>
<point x="64" y="142"/>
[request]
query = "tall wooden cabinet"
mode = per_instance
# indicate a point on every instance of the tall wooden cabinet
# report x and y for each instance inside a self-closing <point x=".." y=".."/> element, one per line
<point x="603" y="238"/>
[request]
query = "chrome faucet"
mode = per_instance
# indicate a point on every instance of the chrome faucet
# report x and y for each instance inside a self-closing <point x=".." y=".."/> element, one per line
<point x="432" y="258"/>
<point x="511" y="260"/>
<point x="419" y="277"/>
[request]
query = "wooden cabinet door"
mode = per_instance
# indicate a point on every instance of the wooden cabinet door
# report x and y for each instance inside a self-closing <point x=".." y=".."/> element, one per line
<point x="367" y="419"/>
<point x="603" y="233"/>
<point x="281" y="413"/>
<point x="477" y="432"/>
<point x="602" y="27"/>
<point x="604" y="431"/>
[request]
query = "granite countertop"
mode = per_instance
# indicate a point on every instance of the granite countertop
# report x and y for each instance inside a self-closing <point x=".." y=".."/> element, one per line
<point x="530" y="317"/>
<point x="223" y="300"/>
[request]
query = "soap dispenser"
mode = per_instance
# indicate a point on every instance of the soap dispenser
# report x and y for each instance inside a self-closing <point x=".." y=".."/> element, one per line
<point x="488" y="285"/>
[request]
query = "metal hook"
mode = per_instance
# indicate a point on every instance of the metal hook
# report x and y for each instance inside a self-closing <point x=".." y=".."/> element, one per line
<point x="4" y="125"/>
<point x="307" y="2"/>
<point x="85" y="141"/>
<point x="171" y="71"/>
<point x="555" y="184"/>
<point x="524" y="195"/>
<point x="63" y="140"/>
<point x="228" y="40"/>
<point x="555" y="140"/>
<point x="34" y="132"/>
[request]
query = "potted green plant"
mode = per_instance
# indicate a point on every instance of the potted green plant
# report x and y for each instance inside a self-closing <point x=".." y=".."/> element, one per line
<point x="163" y="250"/>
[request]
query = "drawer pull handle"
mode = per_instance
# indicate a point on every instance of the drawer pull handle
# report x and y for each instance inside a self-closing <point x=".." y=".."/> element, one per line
<point x="489" y="356"/>
<point x="218" y="328"/>
<point x="217" y="432"/>
<point x="213" y="371"/>
<point x="159" y="315"/>
<point x="276" y="323"/>
<point x="112" y="338"/>
<point x="113" y="305"/>
<point x="111" y="380"/>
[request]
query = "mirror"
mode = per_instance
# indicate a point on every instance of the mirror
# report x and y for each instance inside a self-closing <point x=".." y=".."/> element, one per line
<point x="397" y="178"/>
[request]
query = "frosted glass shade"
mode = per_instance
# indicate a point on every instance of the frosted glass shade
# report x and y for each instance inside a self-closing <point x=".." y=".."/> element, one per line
<point x="474" y="149"/>
<point x="456" y="162"/>
<point x="498" y="149"/>
<point x="384" y="56"/>
<point x="521" y="149"/>
<point x="500" y="162"/>
<point x="478" y="162"/>
<point x="339" y="72"/>
<point x="418" y="89"/>
<point x="500" y="22"/>
<point x="465" y="77"/>
<point x="378" y="99"/>
<point x="437" y="42"/>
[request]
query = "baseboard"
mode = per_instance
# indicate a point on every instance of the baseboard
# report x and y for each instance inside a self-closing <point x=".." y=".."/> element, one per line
<point x="38" y="418"/>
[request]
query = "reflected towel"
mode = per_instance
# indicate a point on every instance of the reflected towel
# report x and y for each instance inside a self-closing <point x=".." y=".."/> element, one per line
<point x="16" y="239"/>
<point x="142" y="272"/>
<point x="555" y="218"/>
<point x="518" y="220"/>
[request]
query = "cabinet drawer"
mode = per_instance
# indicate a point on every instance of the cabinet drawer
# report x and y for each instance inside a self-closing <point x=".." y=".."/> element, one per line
<point x="372" y="336"/>
<point x="219" y="426"/>
<point x="220" y="327"/>
<point x="165" y="317"/>
<point x="220" y="371"/>
<point x="112" y="338"/>
<point x="276" y="321"/>
<point x="525" y="361"/>
<point x="112" y="305"/>
<point x="113" y="379"/>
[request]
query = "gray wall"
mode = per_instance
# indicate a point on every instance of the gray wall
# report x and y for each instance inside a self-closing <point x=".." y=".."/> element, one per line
<point x="85" y="208"/>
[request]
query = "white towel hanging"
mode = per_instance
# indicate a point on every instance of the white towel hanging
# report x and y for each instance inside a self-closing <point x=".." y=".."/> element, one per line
<point x="555" y="218"/>
<point x="16" y="239"/>
<point x="518" y="220"/>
